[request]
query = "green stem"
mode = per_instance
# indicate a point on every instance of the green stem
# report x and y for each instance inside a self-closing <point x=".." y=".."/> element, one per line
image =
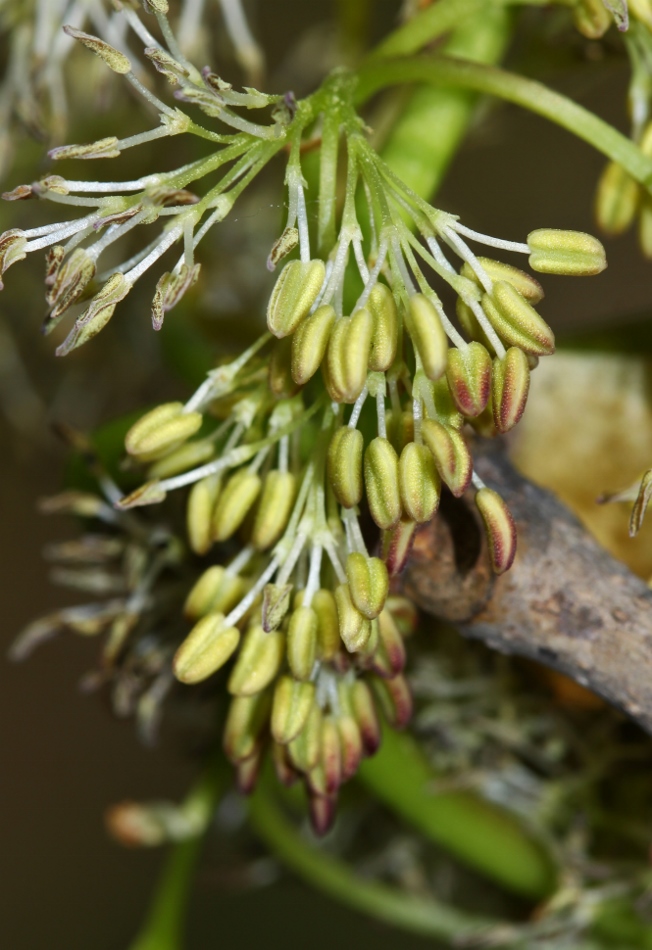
<point x="423" y="916"/>
<point x="461" y="74"/>
<point x="482" y="835"/>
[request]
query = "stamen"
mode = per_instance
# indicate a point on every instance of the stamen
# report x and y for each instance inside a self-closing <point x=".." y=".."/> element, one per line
<point x="333" y="557"/>
<point x="314" y="574"/>
<point x="360" y="259"/>
<point x="477" y="481"/>
<point x="241" y="609"/>
<point x="302" y="221"/>
<point x="357" y="408"/>
<point x="380" y="411"/>
<point x="373" y="276"/>
<point x="167" y="240"/>
<point x="467" y="254"/>
<point x="515" y="246"/>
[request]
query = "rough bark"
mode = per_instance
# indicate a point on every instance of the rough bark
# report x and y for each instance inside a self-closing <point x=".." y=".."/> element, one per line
<point x="565" y="602"/>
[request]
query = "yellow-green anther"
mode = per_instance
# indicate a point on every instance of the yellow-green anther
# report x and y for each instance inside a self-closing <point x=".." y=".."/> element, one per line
<point x="397" y="544"/>
<point x="276" y="603"/>
<point x="395" y="699"/>
<point x="469" y="378"/>
<point x="182" y="459"/>
<point x="418" y="482"/>
<point x="451" y="454"/>
<point x="381" y="482"/>
<point x="170" y="288"/>
<point x="565" y="252"/>
<point x="516" y="321"/>
<point x="400" y="429"/>
<point x="389" y="657"/>
<point x="309" y="343"/>
<point x="427" y="335"/>
<point x="302" y="642"/>
<point x="510" y="384"/>
<point x="591" y="18"/>
<point x="305" y="749"/>
<point x="368" y="583"/>
<point x="355" y="629"/>
<point x="347" y="357"/>
<point x="199" y="513"/>
<point x="115" y="60"/>
<point x="330" y="759"/>
<point x="274" y="508"/>
<point x="103" y="148"/>
<point x="500" y="528"/>
<point x="366" y="716"/>
<point x="616" y="199"/>
<point x="291" y="707"/>
<point x="235" y="503"/>
<point x="295" y="291"/>
<point x="526" y="285"/>
<point x="351" y="747"/>
<point x="161" y="430"/>
<point x="97" y="314"/>
<point x="245" y="722"/>
<point x="258" y="662"/>
<point x="384" y="333"/>
<point x="279" y="372"/>
<point x="215" y="590"/>
<point x="328" y="630"/>
<point x="206" y="648"/>
<point x="344" y="465"/>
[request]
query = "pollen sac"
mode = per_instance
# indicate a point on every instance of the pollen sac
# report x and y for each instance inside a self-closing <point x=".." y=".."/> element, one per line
<point x="351" y="747"/>
<point x="510" y="386"/>
<point x="617" y="199"/>
<point x="419" y="483"/>
<point x="180" y="460"/>
<point x="259" y="660"/>
<point x="296" y="290"/>
<point x="103" y="148"/>
<point x="366" y="716"/>
<point x="309" y="344"/>
<point x="469" y="378"/>
<point x="161" y="430"/>
<point x="388" y="659"/>
<point x="451" y="455"/>
<point x="565" y="252"/>
<point x="516" y="322"/>
<point x="245" y="721"/>
<point x="274" y="509"/>
<point x="170" y="289"/>
<point x="368" y="583"/>
<point x="216" y="590"/>
<point x="115" y="60"/>
<point x="384" y="335"/>
<point x="520" y="280"/>
<point x="395" y="699"/>
<point x="591" y="18"/>
<point x="276" y="603"/>
<point x="206" y="648"/>
<point x="327" y="777"/>
<point x="397" y="544"/>
<point x="199" y="513"/>
<point x="97" y="315"/>
<point x="302" y="642"/>
<point x="400" y="428"/>
<point x="381" y="482"/>
<point x="12" y="249"/>
<point x="355" y="629"/>
<point x="427" y="335"/>
<point x="500" y="528"/>
<point x="69" y="283"/>
<point x="304" y="750"/>
<point x="234" y="503"/>
<point x="291" y="707"/>
<point x="347" y="357"/>
<point x="328" y="630"/>
<point x="344" y="466"/>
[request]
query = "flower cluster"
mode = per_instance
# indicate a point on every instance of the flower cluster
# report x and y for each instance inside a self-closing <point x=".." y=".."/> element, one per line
<point x="313" y="457"/>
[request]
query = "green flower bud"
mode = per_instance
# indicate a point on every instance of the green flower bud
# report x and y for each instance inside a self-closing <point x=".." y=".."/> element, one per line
<point x="510" y="384"/>
<point x="259" y="660"/>
<point x="355" y="629"/>
<point x="115" y="60"/>
<point x="245" y="721"/>
<point x="235" y="502"/>
<point x="291" y="707"/>
<point x="309" y="344"/>
<point x="397" y="544"/>
<point x="469" y="378"/>
<point x="206" y="648"/>
<point x="384" y="334"/>
<point x="368" y="583"/>
<point x="500" y="528"/>
<point x="305" y="749"/>
<point x="616" y="199"/>
<point x="591" y="18"/>
<point x="216" y="591"/>
<point x="183" y="459"/>
<point x="565" y="252"/>
<point x="328" y="630"/>
<point x="427" y="335"/>
<point x="451" y="454"/>
<point x="296" y="290"/>
<point x="351" y="748"/>
<point x="274" y="509"/>
<point x="516" y="322"/>
<point x="366" y="716"/>
<point x="388" y="659"/>
<point x="418" y="482"/>
<point x="199" y="513"/>
<point x="276" y="603"/>
<point x="520" y="280"/>
<point x="381" y="482"/>
<point x="347" y="357"/>
<point x="394" y="698"/>
<point x="344" y="466"/>
<point x="161" y="430"/>
<point x="279" y="372"/>
<point x="302" y="642"/>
